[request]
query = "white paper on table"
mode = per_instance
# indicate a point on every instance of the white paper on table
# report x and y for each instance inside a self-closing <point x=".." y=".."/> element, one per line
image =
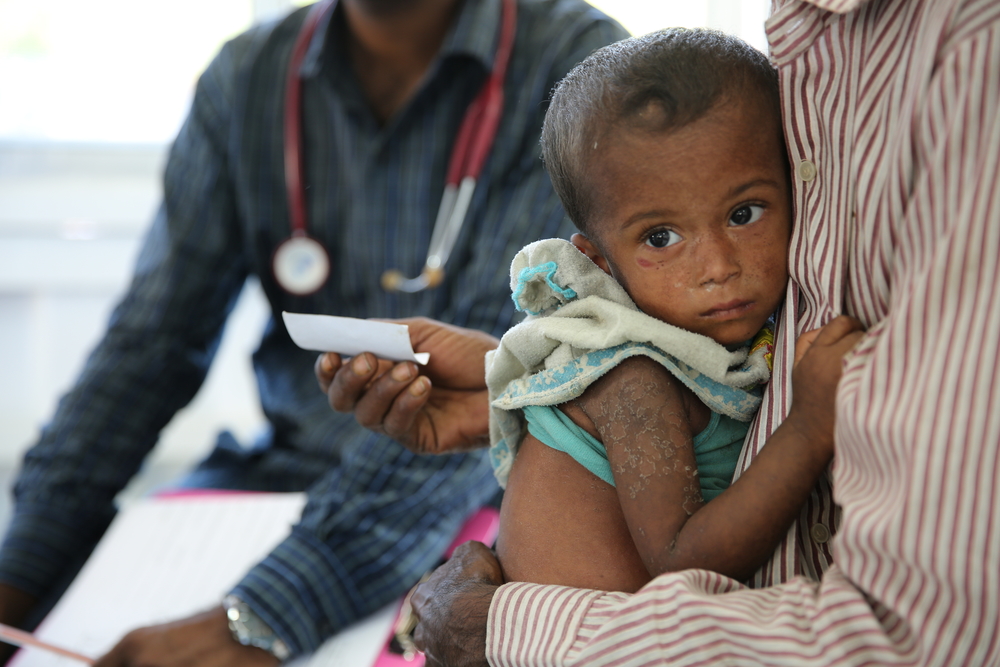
<point x="163" y="559"/>
<point x="350" y="336"/>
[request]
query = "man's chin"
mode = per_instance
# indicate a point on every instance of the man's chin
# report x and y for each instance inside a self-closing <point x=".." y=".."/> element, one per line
<point x="386" y="7"/>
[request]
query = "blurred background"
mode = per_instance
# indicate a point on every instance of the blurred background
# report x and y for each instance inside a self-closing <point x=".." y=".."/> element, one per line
<point x="91" y="94"/>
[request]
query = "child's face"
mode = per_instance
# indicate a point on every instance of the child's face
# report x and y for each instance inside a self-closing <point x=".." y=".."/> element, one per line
<point x="694" y="223"/>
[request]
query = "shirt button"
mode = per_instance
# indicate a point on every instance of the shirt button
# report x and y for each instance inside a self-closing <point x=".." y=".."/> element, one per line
<point x="820" y="533"/>
<point x="807" y="170"/>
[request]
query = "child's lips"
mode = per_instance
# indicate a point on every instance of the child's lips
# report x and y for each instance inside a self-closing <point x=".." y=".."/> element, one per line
<point x="729" y="310"/>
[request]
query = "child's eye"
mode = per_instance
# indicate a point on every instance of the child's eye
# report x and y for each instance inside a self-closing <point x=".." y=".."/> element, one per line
<point x="744" y="215"/>
<point x="661" y="238"/>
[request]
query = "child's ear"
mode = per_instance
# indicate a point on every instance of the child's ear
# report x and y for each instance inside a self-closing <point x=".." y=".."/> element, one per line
<point x="588" y="248"/>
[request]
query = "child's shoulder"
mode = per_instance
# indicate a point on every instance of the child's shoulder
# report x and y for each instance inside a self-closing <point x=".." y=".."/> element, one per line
<point x="637" y="390"/>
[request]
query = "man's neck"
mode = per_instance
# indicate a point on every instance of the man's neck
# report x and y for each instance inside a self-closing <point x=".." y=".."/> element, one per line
<point x="391" y="45"/>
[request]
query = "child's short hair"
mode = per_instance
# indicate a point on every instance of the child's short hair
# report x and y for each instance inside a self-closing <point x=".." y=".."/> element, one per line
<point x="684" y="72"/>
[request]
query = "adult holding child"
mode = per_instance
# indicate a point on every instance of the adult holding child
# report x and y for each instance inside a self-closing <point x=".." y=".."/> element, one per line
<point x="383" y="88"/>
<point x="649" y="335"/>
<point x="891" y="112"/>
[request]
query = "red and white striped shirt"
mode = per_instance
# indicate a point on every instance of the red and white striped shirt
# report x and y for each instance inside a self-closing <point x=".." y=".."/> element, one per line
<point x="892" y="115"/>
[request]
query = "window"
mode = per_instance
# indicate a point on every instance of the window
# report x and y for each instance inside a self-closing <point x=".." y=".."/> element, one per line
<point x="124" y="70"/>
<point x="740" y="17"/>
<point x="106" y="70"/>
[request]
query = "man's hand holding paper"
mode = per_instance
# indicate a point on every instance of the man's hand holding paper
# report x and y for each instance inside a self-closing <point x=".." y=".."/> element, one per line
<point x="442" y="410"/>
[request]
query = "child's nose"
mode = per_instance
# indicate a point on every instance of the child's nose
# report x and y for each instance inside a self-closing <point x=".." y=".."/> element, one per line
<point x="718" y="259"/>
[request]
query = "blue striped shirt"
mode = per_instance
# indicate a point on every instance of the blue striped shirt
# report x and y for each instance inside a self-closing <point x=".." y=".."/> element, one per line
<point x="377" y="516"/>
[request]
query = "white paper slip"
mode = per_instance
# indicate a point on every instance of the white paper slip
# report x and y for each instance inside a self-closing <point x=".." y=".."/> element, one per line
<point x="350" y="336"/>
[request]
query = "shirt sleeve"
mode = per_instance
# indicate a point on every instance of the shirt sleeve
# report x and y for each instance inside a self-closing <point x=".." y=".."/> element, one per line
<point x="163" y="335"/>
<point x="918" y="435"/>
<point x="695" y="617"/>
<point x="373" y="525"/>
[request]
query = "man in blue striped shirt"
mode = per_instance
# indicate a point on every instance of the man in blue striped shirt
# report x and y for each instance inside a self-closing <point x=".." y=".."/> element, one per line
<point x="385" y="84"/>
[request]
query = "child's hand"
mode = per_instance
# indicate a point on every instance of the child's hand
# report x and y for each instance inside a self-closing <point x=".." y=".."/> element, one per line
<point x="818" y="363"/>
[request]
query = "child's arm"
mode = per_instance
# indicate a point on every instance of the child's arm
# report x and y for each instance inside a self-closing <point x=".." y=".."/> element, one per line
<point x="653" y="463"/>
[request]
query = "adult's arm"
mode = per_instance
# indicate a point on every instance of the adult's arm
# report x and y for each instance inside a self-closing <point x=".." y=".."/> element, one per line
<point x="917" y="469"/>
<point x="154" y="356"/>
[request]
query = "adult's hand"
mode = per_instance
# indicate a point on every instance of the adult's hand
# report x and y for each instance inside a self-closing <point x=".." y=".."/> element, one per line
<point x="453" y="605"/>
<point x="14" y="607"/>
<point x="202" y="640"/>
<point x="439" y="408"/>
<point x="816" y="373"/>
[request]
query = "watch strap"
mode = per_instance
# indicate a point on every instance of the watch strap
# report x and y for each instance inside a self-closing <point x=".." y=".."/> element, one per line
<point x="249" y="629"/>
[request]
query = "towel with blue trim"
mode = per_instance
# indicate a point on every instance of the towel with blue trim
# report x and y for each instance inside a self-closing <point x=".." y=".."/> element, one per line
<point x="581" y="323"/>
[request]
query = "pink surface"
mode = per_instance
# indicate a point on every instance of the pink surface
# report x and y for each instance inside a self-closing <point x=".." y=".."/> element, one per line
<point x="481" y="527"/>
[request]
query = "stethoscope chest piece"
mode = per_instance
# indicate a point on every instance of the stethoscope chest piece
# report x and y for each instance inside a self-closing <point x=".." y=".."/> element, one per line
<point x="300" y="265"/>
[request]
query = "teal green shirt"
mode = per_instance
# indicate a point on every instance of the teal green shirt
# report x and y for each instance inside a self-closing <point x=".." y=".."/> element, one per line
<point x="716" y="449"/>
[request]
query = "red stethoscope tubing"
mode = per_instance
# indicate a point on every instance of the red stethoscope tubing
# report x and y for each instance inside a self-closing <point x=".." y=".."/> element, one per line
<point x="472" y="145"/>
<point x="293" y="119"/>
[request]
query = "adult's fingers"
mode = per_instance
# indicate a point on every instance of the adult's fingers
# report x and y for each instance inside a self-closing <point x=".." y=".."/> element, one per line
<point x="327" y="365"/>
<point x="470" y="562"/>
<point x="452" y="607"/>
<point x="399" y="420"/>
<point x="803" y="343"/>
<point x="350" y="381"/>
<point x="837" y="328"/>
<point x="391" y="403"/>
<point x="848" y="342"/>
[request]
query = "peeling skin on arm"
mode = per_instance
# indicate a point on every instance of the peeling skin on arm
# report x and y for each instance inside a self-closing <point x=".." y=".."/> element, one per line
<point x="631" y="413"/>
<point x="692" y="494"/>
<point x="646" y="419"/>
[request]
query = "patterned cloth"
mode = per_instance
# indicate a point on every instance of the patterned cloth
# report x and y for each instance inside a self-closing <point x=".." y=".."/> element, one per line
<point x="377" y="516"/>
<point x="583" y="324"/>
<point x="891" y="109"/>
<point x="716" y="448"/>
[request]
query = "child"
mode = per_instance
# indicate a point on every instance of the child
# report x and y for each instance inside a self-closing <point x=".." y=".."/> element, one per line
<point x="634" y="370"/>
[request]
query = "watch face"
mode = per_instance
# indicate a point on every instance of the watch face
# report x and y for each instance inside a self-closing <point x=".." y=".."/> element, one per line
<point x="300" y="265"/>
<point x="249" y="629"/>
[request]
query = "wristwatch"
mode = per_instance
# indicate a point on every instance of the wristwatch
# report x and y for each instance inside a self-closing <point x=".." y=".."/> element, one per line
<point x="250" y="630"/>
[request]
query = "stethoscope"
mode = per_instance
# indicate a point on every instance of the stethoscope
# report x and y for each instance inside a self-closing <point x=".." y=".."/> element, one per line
<point x="301" y="264"/>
